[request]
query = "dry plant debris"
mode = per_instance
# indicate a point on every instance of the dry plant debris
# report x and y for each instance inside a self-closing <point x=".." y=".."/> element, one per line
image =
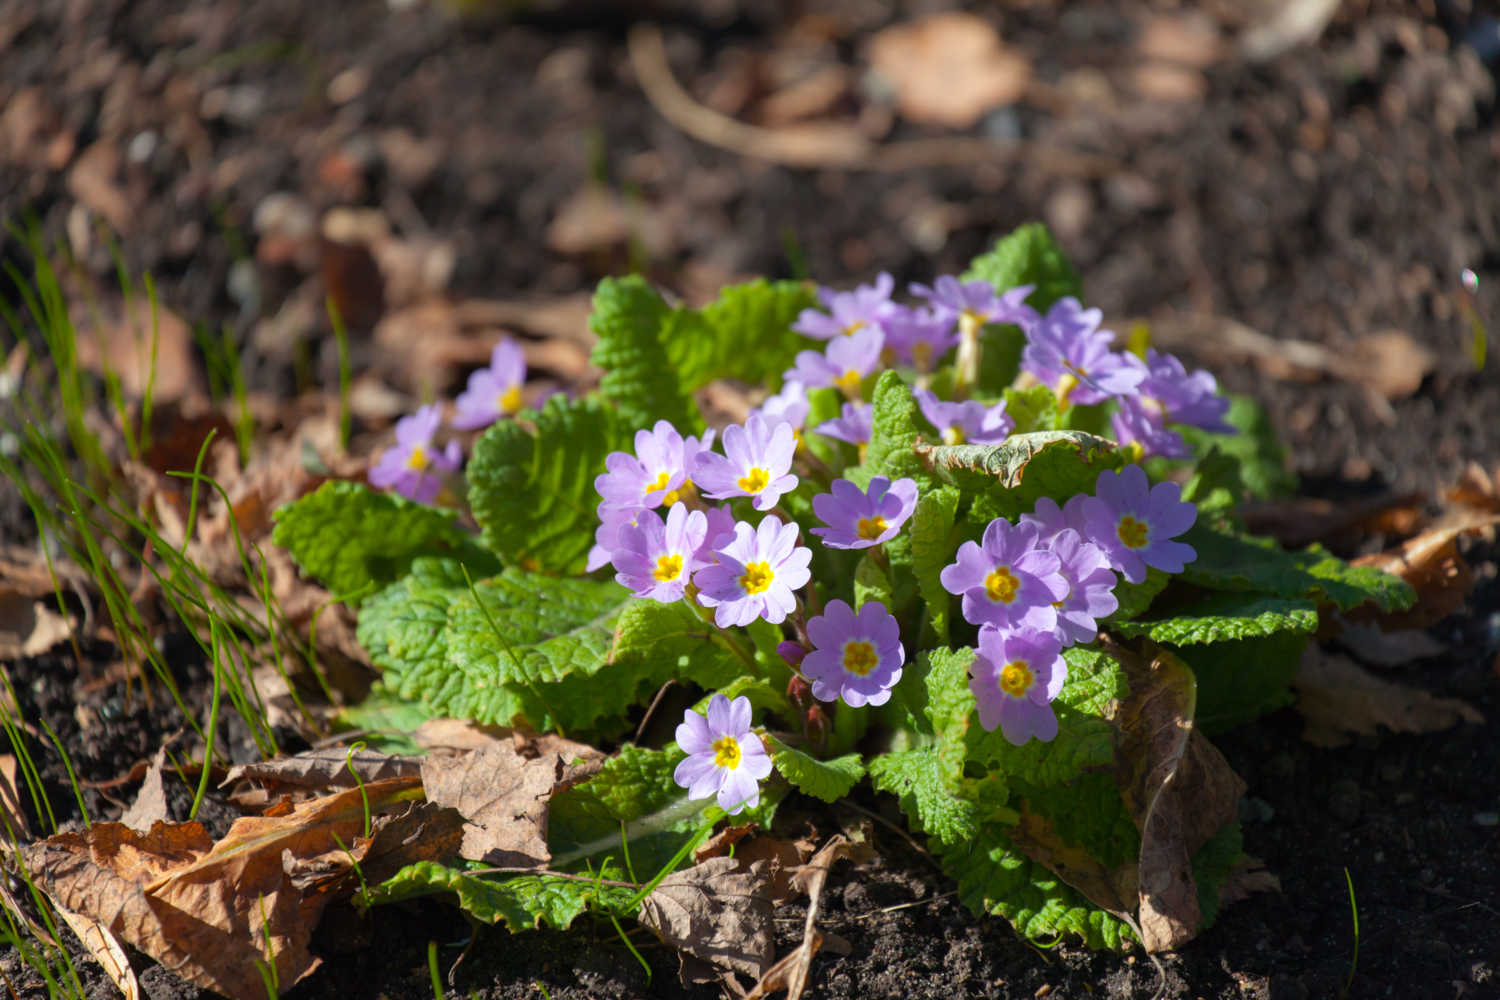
<point x="718" y="913"/>
<point x="1337" y="696"/>
<point x="948" y="68"/>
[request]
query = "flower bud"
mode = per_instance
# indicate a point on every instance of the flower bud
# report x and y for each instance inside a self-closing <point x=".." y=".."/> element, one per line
<point x="792" y="652"/>
<point x="815" y="724"/>
<point x="799" y="691"/>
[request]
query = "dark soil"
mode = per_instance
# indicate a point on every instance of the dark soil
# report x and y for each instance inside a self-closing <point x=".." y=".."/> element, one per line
<point x="1334" y="192"/>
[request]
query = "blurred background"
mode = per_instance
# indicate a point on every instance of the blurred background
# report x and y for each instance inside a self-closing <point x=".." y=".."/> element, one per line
<point x="1288" y="192"/>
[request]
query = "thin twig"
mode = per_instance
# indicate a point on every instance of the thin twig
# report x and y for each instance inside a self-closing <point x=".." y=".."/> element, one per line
<point x="542" y="871"/>
<point x="907" y="906"/>
<point x="894" y="828"/>
<point x="661" y="692"/>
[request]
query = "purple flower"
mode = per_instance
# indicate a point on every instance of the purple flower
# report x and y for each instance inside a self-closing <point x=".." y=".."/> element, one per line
<point x="855" y="424"/>
<point x="846" y="363"/>
<point x="789" y="406"/>
<point x="1085" y="569"/>
<point x="1069" y="352"/>
<point x="1014" y="678"/>
<point x="607" y="535"/>
<point x="757" y="463"/>
<point x="1007" y="581"/>
<point x="1179" y="397"/>
<point x="857" y="519"/>
<point x="657" y="471"/>
<point x="849" y="312"/>
<point x="856" y="657"/>
<point x="1134" y="527"/>
<point x="757" y="571"/>
<point x="724" y="757"/>
<point x="493" y="392"/>
<point x="921" y="336"/>
<point x="1135" y="423"/>
<point x="976" y="303"/>
<point x="720" y="524"/>
<point x="1050" y="519"/>
<point x="415" y="466"/>
<point x="655" y="560"/>
<point x="969" y="422"/>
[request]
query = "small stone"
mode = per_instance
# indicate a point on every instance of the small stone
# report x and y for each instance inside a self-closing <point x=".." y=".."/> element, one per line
<point x="1487" y="819"/>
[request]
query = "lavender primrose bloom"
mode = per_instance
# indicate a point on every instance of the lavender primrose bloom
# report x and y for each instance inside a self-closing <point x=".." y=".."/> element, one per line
<point x="1137" y="424"/>
<point x="921" y="337"/>
<point x="724" y="758"/>
<point x="849" y="312"/>
<point x="855" y="424"/>
<point x="846" y="363"/>
<point x="856" y="657"/>
<point x="1134" y="527"/>
<point x="757" y="571"/>
<point x="414" y="467"/>
<point x="493" y="392"/>
<point x="655" y="559"/>
<point x="658" y="469"/>
<point x="1085" y="569"/>
<point x="1069" y="352"/>
<point x="1015" y="677"/>
<point x="1006" y="580"/>
<point x="607" y="535"/>
<point x="858" y="519"/>
<point x="720" y="525"/>
<point x="789" y="406"/>
<point x="1050" y="519"/>
<point x="1179" y="397"/>
<point x="976" y="303"/>
<point x="969" y="422"/>
<point x="757" y="463"/>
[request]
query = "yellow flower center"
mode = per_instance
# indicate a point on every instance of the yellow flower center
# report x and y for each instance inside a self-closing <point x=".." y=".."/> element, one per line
<point x="921" y="355"/>
<point x="418" y="459"/>
<point x="1001" y="586"/>
<point x="757" y="578"/>
<point x="854" y="328"/>
<point x="871" y="528"/>
<point x="860" y="658"/>
<point x="954" y="435"/>
<point x="1132" y="532"/>
<point x="668" y="568"/>
<point x="849" y="382"/>
<point x="510" y="400"/>
<point x="672" y="498"/>
<point x="727" y="752"/>
<point x="659" y="484"/>
<point x="1016" y="679"/>
<point x="757" y="480"/>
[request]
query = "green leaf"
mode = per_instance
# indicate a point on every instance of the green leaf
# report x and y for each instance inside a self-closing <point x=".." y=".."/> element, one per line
<point x="1213" y="863"/>
<point x="746" y="334"/>
<point x="1228" y="561"/>
<point x="388" y="718"/>
<point x="921" y="779"/>
<point x="522" y="902"/>
<point x="1240" y="681"/>
<point x="1227" y="616"/>
<point x="1088" y="812"/>
<point x="353" y="539"/>
<point x="761" y="692"/>
<point x="670" y="638"/>
<point x="1261" y="455"/>
<point x="829" y="780"/>
<point x="1216" y="484"/>
<point x="1033" y="409"/>
<point x="933" y="544"/>
<point x="871" y="583"/>
<point x="896" y="429"/>
<point x="1135" y="598"/>
<point x="533" y="493"/>
<point x="628" y="319"/>
<point x="996" y="878"/>
<point x="1010" y="477"/>
<point x="1029" y="256"/>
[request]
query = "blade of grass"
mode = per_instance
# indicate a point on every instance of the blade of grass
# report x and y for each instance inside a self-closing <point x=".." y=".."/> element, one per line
<point x="346" y="417"/>
<point x="213" y="725"/>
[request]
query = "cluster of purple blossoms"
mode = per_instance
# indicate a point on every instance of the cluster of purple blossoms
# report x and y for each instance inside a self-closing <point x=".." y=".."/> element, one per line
<point x="969" y="422"/>
<point x="1043" y="584"/>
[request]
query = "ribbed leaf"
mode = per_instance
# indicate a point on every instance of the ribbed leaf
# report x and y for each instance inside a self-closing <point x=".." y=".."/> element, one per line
<point x="745" y="334"/>
<point x="1029" y="256"/>
<point x="1227" y="616"/>
<point x="933" y="544"/>
<point x="629" y="318"/>
<point x="896" y="429"/>
<point x="522" y="902"/>
<point x="920" y="779"/>
<point x="1240" y="681"/>
<point x="1007" y="479"/>
<point x="829" y="780"/>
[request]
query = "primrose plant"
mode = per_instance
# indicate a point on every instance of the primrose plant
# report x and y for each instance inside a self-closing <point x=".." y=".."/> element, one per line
<point x="965" y="549"/>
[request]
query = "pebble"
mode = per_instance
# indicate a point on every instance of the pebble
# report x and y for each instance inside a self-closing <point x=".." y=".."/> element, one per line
<point x="1487" y="819"/>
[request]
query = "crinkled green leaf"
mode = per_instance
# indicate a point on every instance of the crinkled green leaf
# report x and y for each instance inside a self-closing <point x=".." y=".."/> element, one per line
<point x="996" y="878"/>
<point x="922" y="780"/>
<point x="670" y="638"/>
<point x="1261" y="455"/>
<point x="1228" y="561"/>
<point x="871" y="583"/>
<point x="628" y="318"/>
<point x="1240" y="681"/>
<point x="533" y="492"/>
<point x="354" y="540"/>
<point x="829" y="780"/>
<point x="933" y="544"/>
<point x="1033" y="409"/>
<point x="1213" y="863"/>
<point x="521" y="901"/>
<point x="1226" y="616"/>
<point x="1007" y="479"/>
<point x="1028" y="256"/>
<point x="761" y="692"/>
<point x="1135" y="598"/>
<point x="745" y="334"/>
<point x="1088" y="812"/>
<point x="1216" y="484"/>
<point x="387" y="718"/>
<point x="896" y="429"/>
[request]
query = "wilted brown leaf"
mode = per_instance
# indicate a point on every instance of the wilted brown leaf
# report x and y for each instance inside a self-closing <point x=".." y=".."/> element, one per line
<point x="328" y="768"/>
<point x="28" y="627"/>
<point x="150" y="805"/>
<point x="1391" y="363"/>
<point x="1248" y="876"/>
<point x="792" y="972"/>
<point x="1337" y="697"/>
<point x="107" y="951"/>
<point x="1115" y="890"/>
<point x="716" y="913"/>
<point x="948" y="68"/>
<point x="504" y="797"/>
<point x="784" y="857"/>
<point x="1431" y="563"/>
<point x="1388" y="649"/>
<point x="127" y="347"/>
<point x="11" y="813"/>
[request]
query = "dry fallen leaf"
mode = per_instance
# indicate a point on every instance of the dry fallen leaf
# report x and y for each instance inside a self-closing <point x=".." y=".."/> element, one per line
<point x="106" y="950"/>
<point x="1187" y="39"/>
<point x="504" y="798"/>
<point x="1387" y="649"/>
<point x="11" y="813"/>
<point x="793" y="971"/>
<point x="1391" y="363"/>
<point x="127" y="346"/>
<point x="150" y="805"/>
<point x="717" y="913"/>
<point x="28" y="627"/>
<point x="1337" y="696"/>
<point x="785" y="857"/>
<point x="328" y="768"/>
<point x="1248" y="876"/>
<point x="948" y="68"/>
<point x="1431" y="563"/>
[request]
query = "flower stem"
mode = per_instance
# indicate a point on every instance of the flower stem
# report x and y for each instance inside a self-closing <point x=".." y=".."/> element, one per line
<point x="966" y="366"/>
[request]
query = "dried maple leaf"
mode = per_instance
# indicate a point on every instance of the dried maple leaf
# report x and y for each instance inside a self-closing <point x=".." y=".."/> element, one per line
<point x="1337" y="697"/>
<point x="503" y="796"/>
<point x="717" y="913"/>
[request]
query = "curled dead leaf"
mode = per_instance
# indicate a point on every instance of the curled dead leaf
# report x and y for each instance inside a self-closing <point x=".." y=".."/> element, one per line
<point x="717" y="913"/>
<point x="1337" y="696"/>
<point x="1432" y="564"/>
<point x="106" y="950"/>
<point x="948" y="68"/>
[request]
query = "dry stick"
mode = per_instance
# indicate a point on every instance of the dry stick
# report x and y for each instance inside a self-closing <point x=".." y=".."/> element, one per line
<point x="661" y="692"/>
<point x="907" y="906"/>
<point x="813" y="149"/>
